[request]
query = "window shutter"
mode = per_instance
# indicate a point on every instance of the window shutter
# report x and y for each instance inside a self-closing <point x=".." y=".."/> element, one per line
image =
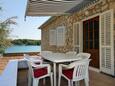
<point x="77" y="37"/>
<point x="60" y="36"/>
<point x="107" y="42"/>
<point x="52" y="37"/>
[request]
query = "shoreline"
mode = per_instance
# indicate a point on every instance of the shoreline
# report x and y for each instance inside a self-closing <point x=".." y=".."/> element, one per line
<point x="21" y="54"/>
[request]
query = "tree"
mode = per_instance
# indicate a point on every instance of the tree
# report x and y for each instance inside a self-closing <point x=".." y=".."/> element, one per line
<point x="4" y="32"/>
<point x="26" y="42"/>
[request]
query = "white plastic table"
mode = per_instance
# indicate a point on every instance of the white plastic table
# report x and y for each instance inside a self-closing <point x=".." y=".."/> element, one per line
<point x="60" y="57"/>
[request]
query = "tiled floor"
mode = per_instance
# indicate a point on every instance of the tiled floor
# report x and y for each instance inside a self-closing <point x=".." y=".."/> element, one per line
<point x="96" y="79"/>
<point x="4" y="61"/>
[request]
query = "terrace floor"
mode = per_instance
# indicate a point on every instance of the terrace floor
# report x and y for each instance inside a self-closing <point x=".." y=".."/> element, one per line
<point x="96" y="79"/>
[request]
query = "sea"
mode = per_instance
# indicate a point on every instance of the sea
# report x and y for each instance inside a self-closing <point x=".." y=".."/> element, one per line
<point x="23" y="49"/>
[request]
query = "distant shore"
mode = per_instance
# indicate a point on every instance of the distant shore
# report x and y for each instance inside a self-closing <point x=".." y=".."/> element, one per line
<point x="21" y="54"/>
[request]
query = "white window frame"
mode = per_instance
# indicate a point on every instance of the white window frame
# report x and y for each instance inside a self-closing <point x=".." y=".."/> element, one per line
<point x="60" y="36"/>
<point x="56" y="37"/>
<point x="52" y="37"/>
<point x="78" y="41"/>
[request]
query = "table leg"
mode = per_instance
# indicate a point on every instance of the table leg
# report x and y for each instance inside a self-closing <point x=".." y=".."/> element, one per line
<point x="54" y="73"/>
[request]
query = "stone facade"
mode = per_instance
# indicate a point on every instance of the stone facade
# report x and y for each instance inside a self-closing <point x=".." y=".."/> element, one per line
<point x="69" y="20"/>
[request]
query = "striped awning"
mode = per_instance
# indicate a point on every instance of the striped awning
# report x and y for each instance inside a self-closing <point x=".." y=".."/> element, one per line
<point x="50" y="7"/>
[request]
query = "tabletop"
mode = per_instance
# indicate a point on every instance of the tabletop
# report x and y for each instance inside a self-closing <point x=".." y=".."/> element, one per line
<point x="61" y="57"/>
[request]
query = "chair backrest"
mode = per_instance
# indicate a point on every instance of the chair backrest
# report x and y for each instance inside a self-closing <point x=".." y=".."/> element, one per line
<point x="36" y="59"/>
<point x="30" y="62"/>
<point x="30" y="69"/>
<point x="81" y="69"/>
<point x="70" y="53"/>
<point x="84" y="55"/>
<point x="45" y="53"/>
<point x="26" y="56"/>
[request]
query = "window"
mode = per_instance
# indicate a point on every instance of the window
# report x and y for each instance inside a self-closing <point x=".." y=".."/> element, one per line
<point x="57" y="36"/>
<point x="52" y="37"/>
<point x="60" y="36"/>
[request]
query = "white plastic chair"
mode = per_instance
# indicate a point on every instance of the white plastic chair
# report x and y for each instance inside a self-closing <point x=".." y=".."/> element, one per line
<point x="35" y="59"/>
<point x="74" y="72"/>
<point x="38" y="72"/>
<point x="28" y="58"/>
<point x="83" y="55"/>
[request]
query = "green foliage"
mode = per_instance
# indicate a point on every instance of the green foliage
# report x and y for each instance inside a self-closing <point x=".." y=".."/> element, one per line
<point x="26" y="42"/>
<point x="4" y="32"/>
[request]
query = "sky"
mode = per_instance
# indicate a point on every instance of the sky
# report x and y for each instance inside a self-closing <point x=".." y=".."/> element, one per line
<point x="24" y="29"/>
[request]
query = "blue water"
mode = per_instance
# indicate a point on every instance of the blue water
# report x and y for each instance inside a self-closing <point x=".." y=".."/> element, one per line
<point x="22" y="49"/>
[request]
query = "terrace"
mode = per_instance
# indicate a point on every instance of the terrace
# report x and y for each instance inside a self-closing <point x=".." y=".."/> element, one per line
<point x="96" y="78"/>
<point x="18" y="69"/>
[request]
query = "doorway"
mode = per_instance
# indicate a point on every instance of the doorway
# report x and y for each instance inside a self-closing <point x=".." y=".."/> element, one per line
<point x="91" y="40"/>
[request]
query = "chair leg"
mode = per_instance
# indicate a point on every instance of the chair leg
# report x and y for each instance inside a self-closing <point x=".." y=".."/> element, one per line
<point x="69" y="83"/>
<point x="87" y="75"/>
<point x="59" y="80"/>
<point x="44" y="81"/>
<point x="77" y="83"/>
<point x="86" y="82"/>
<point x="51" y="79"/>
<point x="35" y="82"/>
<point x="29" y="80"/>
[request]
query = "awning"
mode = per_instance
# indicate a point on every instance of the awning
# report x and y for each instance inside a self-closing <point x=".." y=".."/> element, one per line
<point x="50" y="7"/>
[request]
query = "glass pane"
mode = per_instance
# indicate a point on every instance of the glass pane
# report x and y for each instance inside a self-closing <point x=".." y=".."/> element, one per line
<point x="86" y="36"/>
<point x="96" y="35"/>
<point x="86" y="26"/>
<point x="86" y="44"/>
<point x="91" y="26"/>
<point x="96" y="25"/>
<point x="91" y="35"/>
<point x="91" y="44"/>
<point x="96" y="44"/>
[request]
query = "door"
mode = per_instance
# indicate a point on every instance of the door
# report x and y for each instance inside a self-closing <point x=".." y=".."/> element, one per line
<point x="107" y="42"/>
<point x="91" y="40"/>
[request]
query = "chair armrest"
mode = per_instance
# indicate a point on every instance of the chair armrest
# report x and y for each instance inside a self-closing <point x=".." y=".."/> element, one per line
<point x="66" y="66"/>
<point x="39" y="65"/>
<point x="61" y="67"/>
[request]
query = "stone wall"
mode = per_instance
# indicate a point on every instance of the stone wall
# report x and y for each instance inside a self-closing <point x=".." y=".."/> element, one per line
<point x="69" y="20"/>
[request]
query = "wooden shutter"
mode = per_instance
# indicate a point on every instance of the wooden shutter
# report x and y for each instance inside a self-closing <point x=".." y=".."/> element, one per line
<point x="77" y="37"/>
<point x="52" y="37"/>
<point x="107" y="42"/>
<point x="61" y="36"/>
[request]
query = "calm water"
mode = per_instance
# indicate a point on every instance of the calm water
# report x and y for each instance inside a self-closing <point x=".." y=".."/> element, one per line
<point x="20" y="49"/>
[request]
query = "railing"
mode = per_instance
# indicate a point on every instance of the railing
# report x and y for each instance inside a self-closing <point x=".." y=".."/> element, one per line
<point x="9" y="75"/>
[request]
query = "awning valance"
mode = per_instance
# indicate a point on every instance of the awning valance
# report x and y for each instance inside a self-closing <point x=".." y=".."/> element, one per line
<point x="50" y="7"/>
